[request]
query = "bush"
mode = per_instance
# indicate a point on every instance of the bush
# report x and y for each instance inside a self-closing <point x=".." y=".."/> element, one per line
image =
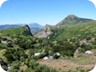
<point x="44" y="68"/>
<point x="15" y="66"/>
<point x="9" y="44"/>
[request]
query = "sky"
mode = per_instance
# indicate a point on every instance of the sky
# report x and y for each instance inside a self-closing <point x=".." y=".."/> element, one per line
<point x="44" y="11"/>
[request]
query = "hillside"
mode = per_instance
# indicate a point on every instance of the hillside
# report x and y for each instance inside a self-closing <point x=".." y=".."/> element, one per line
<point x="25" y="30"/>
<point x="34" y="27"/>
<point x="45" y="32"/>
<point x="72" y="20"/>
<point x="81" y="31"/>
<point x="54" y="31"/>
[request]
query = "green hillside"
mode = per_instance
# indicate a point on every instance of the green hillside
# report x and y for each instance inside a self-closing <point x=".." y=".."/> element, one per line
<point x="73" y="20"/>
<point x="25" y="30"/>
<point x="64" y="26"/>
<point x="81" y="31"/>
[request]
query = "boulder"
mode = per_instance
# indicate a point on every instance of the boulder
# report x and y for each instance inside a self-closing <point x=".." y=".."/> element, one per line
<point x="50" y="57"/>
<point x="89" y="52"/>
<point x="45" y="58"/>
<point x="57" y="55"/>
<point x="4" y="42"/>
<point x="37" y="54"/>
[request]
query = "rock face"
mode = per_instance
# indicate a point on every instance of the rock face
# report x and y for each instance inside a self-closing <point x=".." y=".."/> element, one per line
<point x="28" y="31"/>
<point x="44" y="33"/>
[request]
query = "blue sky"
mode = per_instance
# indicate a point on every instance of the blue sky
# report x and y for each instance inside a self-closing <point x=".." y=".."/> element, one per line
<point x="44" y="11"/>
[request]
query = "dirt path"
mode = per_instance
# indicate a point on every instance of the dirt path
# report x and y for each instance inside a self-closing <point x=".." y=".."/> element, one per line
<point x="64" y="65"/>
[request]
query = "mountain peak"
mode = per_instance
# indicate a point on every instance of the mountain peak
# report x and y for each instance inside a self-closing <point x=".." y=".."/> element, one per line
<point x="72" y="20"/>
<point x="71" y="17"/>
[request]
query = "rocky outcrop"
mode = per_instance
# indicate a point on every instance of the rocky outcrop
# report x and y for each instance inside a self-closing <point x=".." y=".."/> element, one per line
<point x="44" y="33"/>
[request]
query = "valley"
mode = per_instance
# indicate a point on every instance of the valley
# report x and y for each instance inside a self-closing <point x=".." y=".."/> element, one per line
<point x="68" y="46"/>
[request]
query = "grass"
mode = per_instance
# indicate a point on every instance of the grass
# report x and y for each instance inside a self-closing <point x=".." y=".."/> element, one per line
<point x="84" y="63"/>
<point x="80" y="31"/>
<point x="15" y="31"/>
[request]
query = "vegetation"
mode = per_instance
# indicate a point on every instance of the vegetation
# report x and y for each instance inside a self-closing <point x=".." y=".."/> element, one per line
<point x="17" y="31"/>
<point x="73" y="20"/>
<point x="18" y="46"/>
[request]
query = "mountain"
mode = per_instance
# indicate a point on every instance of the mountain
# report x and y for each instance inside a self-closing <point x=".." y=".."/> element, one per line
<point x="79" y="31"/>
<point x="35" y="27"/>
<point x="24" y="30"/>
<point x="72" y="20"/>
<point x="46" y="31"/>
<point x="59" y="28"/>
<point x="3" y="27"/>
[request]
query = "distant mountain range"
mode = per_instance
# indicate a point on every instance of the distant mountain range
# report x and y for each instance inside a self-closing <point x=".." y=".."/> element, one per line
<point x="7" y="26"/>
<point x="34" y="27"/>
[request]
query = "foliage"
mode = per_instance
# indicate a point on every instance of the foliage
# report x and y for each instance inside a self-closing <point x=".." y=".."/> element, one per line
<point x="63" y="40"/>
<point x="17" y="31"/>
